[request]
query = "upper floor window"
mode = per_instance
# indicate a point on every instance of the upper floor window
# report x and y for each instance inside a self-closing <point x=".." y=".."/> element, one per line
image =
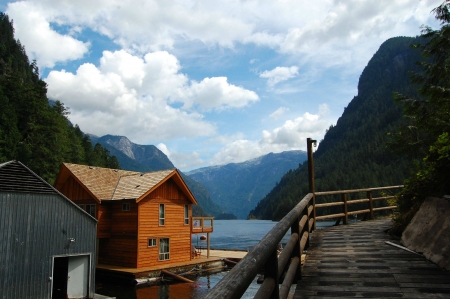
<point x="90" y="209"/>
<point x="161" y="214"/>
<point x="186" y="214"/>
<point x="125" y="207"/>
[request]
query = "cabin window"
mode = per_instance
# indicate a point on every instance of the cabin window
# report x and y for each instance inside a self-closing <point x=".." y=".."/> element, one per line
<point x="161" y="214"/>
<point x="90" y="209"/>
<point x="164" y="253"/>
<point x="186" y="214"/>
<point x="126" y="207"/>
<point x="151" y="242"/>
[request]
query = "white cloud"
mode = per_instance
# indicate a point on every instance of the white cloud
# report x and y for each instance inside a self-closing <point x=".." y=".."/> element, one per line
<point x="162" y="147"/>
<point x="217" y="93"/>
<point x="279" y="74"/>
<point x="127" y="95"/>
<point x="331" y="32"/>
<point x="291" y="135"/>
<point x="293" y="132"/>
<point x="42" y="42"/>
<point x="183" y="160"/>
<point x="278" y="113"/>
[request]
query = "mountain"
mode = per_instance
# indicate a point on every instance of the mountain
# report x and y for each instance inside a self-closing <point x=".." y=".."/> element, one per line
<point x="146" y="158"/>
<point x="354" y="153"/>
<point x="134" y="156"/>
<point x="238" y="187"/>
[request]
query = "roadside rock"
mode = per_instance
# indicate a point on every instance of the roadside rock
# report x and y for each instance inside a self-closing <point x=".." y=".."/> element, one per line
<point x="429" y="231"/>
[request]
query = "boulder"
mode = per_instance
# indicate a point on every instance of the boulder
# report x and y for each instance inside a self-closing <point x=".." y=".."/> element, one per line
<point x="429" y="231"/>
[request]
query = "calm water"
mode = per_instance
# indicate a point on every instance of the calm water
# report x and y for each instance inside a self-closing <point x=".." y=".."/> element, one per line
<point x="228" y="234"/>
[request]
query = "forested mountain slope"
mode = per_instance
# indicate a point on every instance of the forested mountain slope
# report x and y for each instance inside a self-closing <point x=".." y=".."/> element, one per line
<point x="238" y="187"/>
<point x="31" y="130"/>
<point x="354" y="153"/>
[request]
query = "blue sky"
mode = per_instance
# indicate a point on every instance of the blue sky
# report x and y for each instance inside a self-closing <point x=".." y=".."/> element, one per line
<point x="209" y="82"/>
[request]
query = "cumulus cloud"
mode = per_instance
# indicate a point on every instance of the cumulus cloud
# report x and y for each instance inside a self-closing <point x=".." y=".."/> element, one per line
<point x="291" y="135"/>
<point x="217" y="93"/>
<point x="128" y="95"/>
<point x="42" y="42"/>
<point x="132" y="96"/>
<point x="279" y="74"/>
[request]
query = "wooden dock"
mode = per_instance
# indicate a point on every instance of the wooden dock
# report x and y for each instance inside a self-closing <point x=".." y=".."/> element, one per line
<point x="201" y="263"/>
<point x="353" y="261"/>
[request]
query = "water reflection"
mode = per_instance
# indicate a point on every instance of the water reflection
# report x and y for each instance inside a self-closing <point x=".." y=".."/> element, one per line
<point x="198" y="289"/>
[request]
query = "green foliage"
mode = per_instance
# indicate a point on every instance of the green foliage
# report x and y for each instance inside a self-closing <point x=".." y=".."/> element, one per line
<point x="428" y="126"/>
<point x="353" y="153"/>
<point x="32" y="130"/>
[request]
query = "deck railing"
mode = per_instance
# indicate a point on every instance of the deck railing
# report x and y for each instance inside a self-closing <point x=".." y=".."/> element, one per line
<point x="301" y="222"/>
<point x="369" y="199"/>
<point x="265" y="255"/>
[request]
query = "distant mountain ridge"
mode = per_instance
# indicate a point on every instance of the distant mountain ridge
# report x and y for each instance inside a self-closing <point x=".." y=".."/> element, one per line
<point x="222" y="191"/>
<point x="134" y="156"/>
<point x="238" y="187"/>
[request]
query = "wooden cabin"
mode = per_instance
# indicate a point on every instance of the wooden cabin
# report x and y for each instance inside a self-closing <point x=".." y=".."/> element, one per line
<point x="47" y="243"/>
<point x="144" y="219"/>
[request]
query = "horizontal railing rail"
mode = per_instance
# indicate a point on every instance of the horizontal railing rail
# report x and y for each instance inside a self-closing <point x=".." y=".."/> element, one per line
<point x="202" y="225"/>
<point x="265" y="255"/>
<point x="369" y="211"/>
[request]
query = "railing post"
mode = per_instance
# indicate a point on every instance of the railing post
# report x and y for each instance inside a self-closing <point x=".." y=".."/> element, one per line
<point x="344" y="199"/>
<point x="271" y="270"/>
<point x="369" y="196"/>
<point x="309" y="143"/>
<point x="295" y="228"/>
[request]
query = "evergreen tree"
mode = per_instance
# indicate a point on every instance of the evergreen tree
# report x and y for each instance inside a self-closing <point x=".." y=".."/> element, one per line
<point x="428" y="127"/>
<point x="32" y="130"/>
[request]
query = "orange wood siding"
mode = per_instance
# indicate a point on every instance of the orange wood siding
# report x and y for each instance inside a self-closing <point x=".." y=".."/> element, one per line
<point x="104" y="220"/>
<point x="120" y="249"/>
<point x="174" y="228"/>
<point x="117" y="251"/>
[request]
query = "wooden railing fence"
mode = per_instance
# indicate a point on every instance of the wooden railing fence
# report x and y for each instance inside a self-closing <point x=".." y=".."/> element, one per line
<point x="265" y="255"/>
<point x="302" y="221"/>
<point x="368" y="213"/>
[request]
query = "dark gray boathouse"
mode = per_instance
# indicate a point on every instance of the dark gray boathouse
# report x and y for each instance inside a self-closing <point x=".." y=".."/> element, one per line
<point x="47" y="243"/>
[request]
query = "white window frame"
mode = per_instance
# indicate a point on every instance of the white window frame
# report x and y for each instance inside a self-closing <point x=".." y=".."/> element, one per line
<point x="186" y="214"/>
<point x="164" y="255"/>
<point x="151" y="242"/>
<point x="162" y="214"/>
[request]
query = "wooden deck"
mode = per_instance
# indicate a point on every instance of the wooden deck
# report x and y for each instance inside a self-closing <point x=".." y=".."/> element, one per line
<point x="353" y="261"/>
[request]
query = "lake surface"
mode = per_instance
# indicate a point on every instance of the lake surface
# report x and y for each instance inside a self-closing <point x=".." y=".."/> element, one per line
<point x="228" y="234"/>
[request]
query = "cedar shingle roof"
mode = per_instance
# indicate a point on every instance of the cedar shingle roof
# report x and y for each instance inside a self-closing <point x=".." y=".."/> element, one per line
<point x="135" y="185"/>
<point x="115" y="184"/>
